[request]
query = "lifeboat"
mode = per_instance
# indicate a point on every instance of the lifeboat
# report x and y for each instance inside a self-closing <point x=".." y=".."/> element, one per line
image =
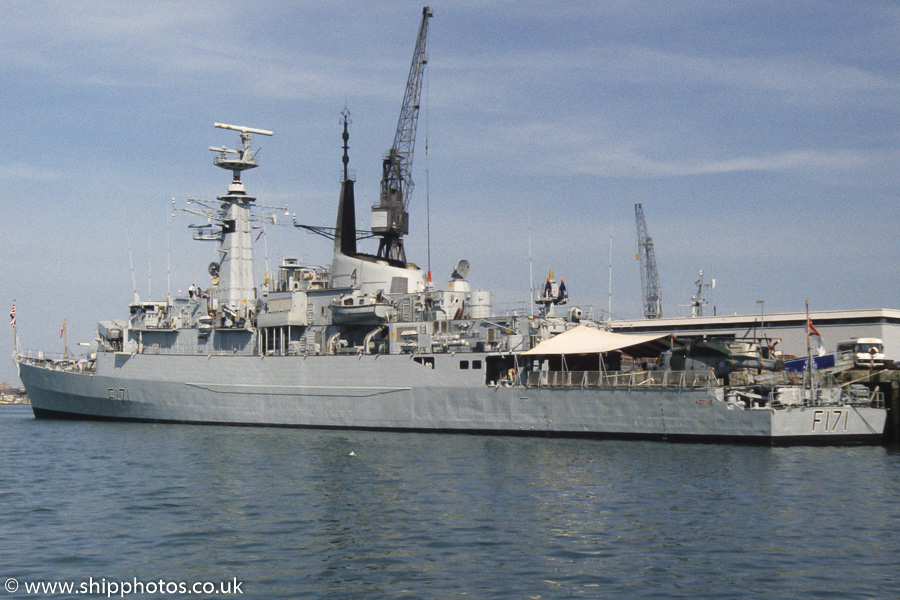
<point x="360" y="309"/>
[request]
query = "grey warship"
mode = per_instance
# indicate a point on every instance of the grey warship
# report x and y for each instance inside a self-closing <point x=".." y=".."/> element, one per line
<point x="370" y="342"/>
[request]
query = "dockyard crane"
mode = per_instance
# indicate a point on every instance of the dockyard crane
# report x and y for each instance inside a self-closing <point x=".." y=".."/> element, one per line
<point x="649" y="274"/>
<point x="390" y="219"/>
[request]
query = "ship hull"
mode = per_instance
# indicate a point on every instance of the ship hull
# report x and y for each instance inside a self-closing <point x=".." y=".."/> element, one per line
<point x="396" y="393"/>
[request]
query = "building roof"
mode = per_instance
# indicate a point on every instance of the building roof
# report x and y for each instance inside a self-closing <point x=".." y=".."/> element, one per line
<point x="825" y="317"/>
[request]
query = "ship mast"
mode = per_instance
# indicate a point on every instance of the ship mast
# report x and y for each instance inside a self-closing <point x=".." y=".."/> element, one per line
<point x="229" y="223"/>
<point x="345" y="228"/>
<point x="235" y="287"/>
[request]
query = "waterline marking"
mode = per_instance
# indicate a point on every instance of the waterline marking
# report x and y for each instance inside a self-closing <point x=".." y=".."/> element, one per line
<point x="122" y="589"/>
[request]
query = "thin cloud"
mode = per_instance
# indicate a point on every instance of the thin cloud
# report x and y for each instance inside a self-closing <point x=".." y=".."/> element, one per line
<point x="630" y="163"/>
<point x="797" y="79"/>
<point x="587" y="147"/>
<point x="794" y="79"/>
<point x="23" y="172"/>
<point x="157" y="47"/>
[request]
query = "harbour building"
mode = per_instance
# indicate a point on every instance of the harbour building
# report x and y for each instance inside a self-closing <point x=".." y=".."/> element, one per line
<point x="790" y="328"/>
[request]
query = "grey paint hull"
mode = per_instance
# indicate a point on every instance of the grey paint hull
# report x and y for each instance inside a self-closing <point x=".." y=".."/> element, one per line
<point x="397" y="393"/>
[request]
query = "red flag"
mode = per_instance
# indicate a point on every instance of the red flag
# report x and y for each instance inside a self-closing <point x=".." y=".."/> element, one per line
<point x="63" y="330"/>
<point x="812" y="329"/>
<point x="820" y="347"/>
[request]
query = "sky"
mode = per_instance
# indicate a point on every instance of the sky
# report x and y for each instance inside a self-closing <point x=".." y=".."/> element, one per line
<point x="762" y="140"/>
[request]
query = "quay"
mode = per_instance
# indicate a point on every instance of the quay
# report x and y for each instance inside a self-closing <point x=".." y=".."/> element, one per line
<point x="885" y="380"/>
<point x="12" y="395"/>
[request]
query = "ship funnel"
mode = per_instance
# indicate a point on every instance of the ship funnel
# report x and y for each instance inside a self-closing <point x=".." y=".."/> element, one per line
<point x="345" y="228"/>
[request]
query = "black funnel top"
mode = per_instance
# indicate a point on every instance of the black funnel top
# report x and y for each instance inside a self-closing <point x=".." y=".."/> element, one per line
<point x="345" y="229"/>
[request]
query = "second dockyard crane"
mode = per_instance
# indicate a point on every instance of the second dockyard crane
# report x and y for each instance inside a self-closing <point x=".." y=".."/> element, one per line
<point x="390" y="219"/>
<point x="649" y="274"/>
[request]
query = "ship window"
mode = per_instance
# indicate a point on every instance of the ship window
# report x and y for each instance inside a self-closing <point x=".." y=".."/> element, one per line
<point x="427" y="361"/>
<point x="476" y="364"/>
<point x="463" y="364"/>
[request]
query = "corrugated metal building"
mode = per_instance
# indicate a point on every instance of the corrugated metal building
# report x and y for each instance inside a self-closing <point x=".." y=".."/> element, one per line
<point x="835" y="325"/>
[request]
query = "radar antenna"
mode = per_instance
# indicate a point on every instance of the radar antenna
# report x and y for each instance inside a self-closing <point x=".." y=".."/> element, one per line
<point x="215" y="212"/>
<point x="237" y="160"/>
<point x="390" y="218"/>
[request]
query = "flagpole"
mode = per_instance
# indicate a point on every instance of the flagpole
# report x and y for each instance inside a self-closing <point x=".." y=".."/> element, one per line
<point x="65" y="337"/>
<point x="609" y="299"/>
<point x="12" y="321"/>
<point x="808" y="352"/>
<point x="530" y="271"/>
<point x="169" y="257"/>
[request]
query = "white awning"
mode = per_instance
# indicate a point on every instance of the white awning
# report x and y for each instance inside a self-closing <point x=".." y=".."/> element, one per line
<point x="587" y="340"/>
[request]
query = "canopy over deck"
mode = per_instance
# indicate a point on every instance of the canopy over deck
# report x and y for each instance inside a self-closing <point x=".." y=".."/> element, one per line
<point x="587" y="340"/>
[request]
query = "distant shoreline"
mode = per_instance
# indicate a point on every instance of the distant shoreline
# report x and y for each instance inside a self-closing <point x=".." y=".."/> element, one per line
<point x="12" y="395"/>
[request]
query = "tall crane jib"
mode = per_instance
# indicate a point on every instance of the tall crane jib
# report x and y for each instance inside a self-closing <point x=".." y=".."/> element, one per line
<point x="649" y="274"/>
<point x="390" y="219"/>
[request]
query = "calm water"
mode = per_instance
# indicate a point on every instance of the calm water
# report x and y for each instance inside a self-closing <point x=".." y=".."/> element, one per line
<point x="290" y="514"/>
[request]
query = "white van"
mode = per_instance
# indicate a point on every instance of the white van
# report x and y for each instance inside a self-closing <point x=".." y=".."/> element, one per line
<point x="865" y="352"/>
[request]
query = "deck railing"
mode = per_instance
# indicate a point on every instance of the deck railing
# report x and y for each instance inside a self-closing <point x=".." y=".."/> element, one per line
<point x="637" y="379"/>
<point x="56" y="361"/>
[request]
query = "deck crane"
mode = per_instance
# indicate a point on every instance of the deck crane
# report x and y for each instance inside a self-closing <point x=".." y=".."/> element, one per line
<point x="390" y="219"/>
<point x="649" y="274"/>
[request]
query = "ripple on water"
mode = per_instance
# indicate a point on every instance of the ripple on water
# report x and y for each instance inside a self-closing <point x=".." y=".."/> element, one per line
<point x="433" y="516"/>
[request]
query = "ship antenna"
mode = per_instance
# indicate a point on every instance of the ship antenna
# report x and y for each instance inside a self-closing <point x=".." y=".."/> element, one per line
<point x="131" y="262"/>
<point x="346" y="137"/>
<point x="169" y="255"/>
